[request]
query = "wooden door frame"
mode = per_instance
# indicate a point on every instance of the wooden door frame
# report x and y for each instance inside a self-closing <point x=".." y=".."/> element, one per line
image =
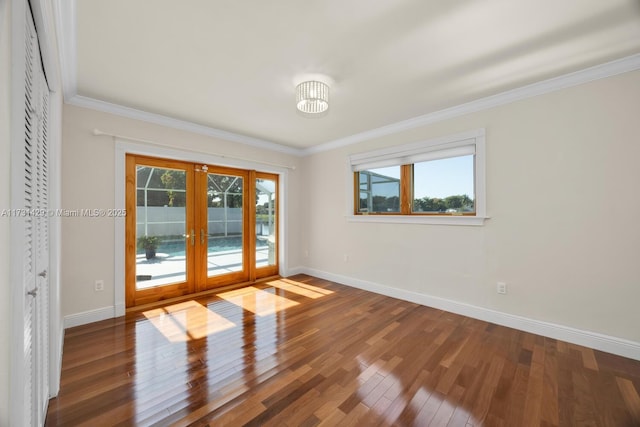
<point x="270" y="270"/>
<point x="204" y="281"/>
<point x="137" y="297"/>
<point x="197" y="279"/>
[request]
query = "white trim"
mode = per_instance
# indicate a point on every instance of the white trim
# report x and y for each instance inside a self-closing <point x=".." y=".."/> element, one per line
<point x="45" y="14"/>
<point x="65" y="23"/>
<point x="623" y="65"/>
<point x="98" y="132"/>
<point x="90" y="316"/>
<point x="65" y="12"/>
<point x="283" y="246"/>
<point x="119" y="231"/>
<point x="418" y="219"/>
<point x="55" y="227"/>
<point x="194" y="156"/>
<point x="16" y="238"/>
<point x="55" y="364"/>
<point x="409" y="149"/>
<point x="124" y="147"/>
<point x="295" y="270"/>
<point x="402" y="156"/>
<point x="158" y="119"/>
<point x="43" y="19"/>
<point x="120" y="309"/>
<point x="609" y="344"/>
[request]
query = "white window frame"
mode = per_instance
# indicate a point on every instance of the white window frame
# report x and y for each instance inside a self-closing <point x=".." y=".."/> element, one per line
<point x="444" y="147"/>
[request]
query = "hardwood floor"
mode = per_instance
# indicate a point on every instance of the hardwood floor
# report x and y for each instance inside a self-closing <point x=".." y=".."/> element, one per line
<point x="304" y="351"/>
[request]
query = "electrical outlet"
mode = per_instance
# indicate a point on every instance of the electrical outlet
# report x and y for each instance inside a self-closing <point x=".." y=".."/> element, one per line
<point x="99" y="285"/>
<point x="501" y="288"/>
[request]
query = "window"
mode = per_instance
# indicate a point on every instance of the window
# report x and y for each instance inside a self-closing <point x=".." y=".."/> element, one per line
<point x="379" y="190"/>
<point x="438" y="181"/>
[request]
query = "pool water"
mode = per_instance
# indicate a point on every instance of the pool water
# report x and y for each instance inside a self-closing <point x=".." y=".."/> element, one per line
<point x="176" y="247"/>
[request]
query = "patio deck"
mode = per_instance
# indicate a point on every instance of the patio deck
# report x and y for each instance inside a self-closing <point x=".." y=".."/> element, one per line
<point x="165" y="268"/>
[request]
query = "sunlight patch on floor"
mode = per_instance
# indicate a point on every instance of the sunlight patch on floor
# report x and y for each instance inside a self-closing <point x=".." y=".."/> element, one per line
<point x="257" y="301"/>
<point x="299" y="288"/>
<point x="186" y="321"/>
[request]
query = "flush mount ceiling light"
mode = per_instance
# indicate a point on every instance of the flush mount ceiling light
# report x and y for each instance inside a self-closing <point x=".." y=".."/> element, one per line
<point x="312" y="97"/>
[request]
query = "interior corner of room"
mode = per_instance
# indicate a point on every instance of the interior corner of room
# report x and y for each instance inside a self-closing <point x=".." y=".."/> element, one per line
<point x="122" y="205"/>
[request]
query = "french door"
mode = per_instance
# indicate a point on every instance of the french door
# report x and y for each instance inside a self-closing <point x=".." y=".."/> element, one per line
<point x="194" y="227"/>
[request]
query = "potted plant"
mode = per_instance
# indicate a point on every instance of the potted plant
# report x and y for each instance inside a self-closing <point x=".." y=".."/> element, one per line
<point x="149" y="244"/>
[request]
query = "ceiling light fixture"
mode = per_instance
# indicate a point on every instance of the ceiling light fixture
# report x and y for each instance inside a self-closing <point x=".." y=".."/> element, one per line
<point x="312" y="97"/>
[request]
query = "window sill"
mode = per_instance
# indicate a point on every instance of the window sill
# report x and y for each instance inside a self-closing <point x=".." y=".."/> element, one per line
<point x="419" y="219"/>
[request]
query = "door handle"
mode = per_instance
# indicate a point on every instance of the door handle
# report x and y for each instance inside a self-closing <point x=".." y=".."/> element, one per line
<point x="202" y="236"/>
<point x="193" y="237"/>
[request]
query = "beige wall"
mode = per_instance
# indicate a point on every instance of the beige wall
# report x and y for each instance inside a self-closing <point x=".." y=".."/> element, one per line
<point x="5" y="175"/>
<point x="562" y="194"/>
<point x="88" y="177"/>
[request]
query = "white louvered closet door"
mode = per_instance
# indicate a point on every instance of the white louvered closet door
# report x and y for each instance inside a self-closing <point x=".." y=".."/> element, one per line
<point x="36" y="233"/>
<point x="41" y="244"/>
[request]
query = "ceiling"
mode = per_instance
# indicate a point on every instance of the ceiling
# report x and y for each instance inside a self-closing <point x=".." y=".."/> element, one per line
<point x="232" y="65"/>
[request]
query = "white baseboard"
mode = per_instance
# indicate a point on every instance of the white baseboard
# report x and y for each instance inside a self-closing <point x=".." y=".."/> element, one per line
<point x="609" y="344"/>
<point x="296" y="270"/>
<point x="89" y="317"/>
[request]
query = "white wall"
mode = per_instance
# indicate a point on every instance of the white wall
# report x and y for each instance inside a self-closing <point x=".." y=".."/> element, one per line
<point x="88" y="178"/>
<point x="563" y="196"/>
<point x="5" y="175"/>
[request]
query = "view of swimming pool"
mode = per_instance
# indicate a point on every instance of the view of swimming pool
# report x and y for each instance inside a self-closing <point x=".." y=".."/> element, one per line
<point x="175" y="245"/>
<point x="169" y="265"/>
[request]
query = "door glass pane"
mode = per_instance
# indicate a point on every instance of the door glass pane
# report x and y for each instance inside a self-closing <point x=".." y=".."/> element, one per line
<point x="160" y="226"/>
<point x="224" y="224"/>
<point x="265" y="222"/>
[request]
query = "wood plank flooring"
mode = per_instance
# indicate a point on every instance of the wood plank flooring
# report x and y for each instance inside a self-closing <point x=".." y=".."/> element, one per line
<point x="304" y="352"/>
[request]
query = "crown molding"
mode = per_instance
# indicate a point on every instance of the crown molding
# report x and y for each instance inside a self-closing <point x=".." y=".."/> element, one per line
<point x="64" y="12"/>
<point x="132" y="113"/>
<point x="65" y="20"/>
<point x="620" y="66"/>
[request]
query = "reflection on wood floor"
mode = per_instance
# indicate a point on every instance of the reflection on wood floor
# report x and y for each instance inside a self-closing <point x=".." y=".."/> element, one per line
<point x="304" y="351"/>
